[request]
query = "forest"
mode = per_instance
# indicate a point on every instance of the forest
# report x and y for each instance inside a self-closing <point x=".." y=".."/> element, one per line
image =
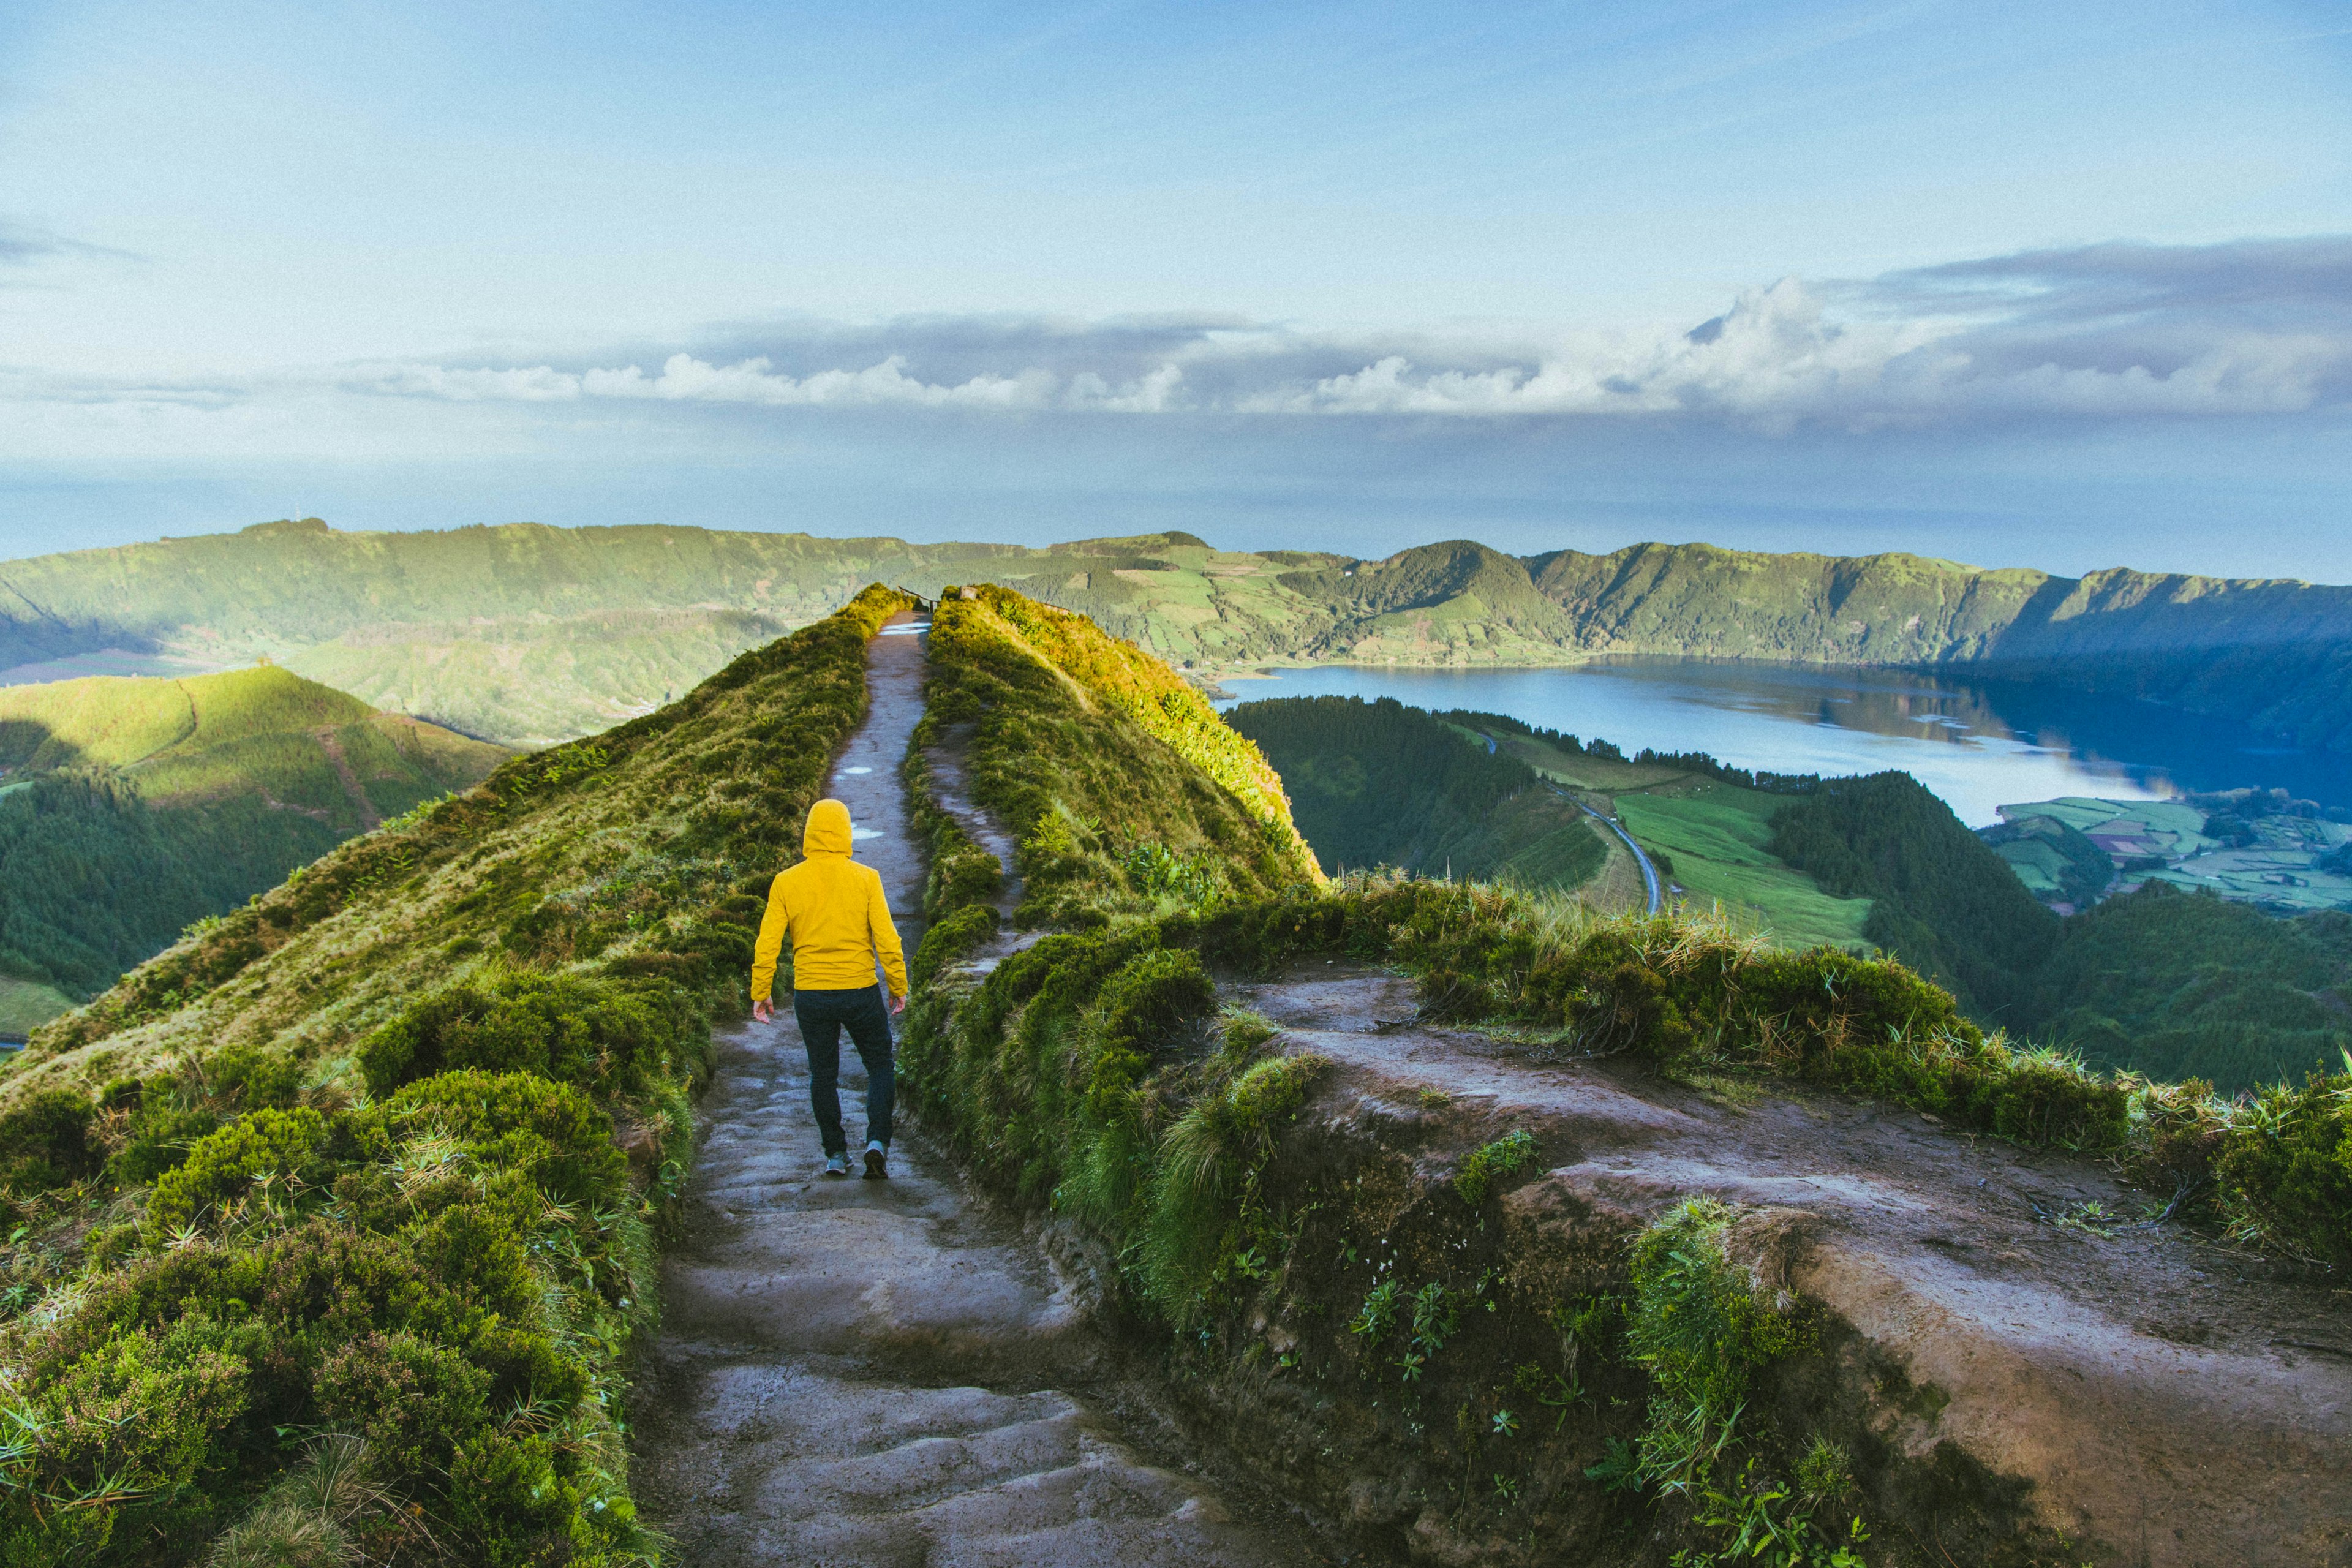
<point x="1379" y="784"/>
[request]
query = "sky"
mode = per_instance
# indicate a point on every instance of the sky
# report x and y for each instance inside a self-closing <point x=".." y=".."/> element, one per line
<point x="2057" y="286"/>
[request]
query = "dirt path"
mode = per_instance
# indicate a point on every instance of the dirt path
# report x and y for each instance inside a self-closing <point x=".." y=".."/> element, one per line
<point x="332" y="744"/>
<point x="2181" y="1401"/>
<point x="858" y="1373"/>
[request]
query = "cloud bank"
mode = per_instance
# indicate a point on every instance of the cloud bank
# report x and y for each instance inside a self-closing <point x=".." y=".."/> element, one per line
<point x="2112" y="332"/>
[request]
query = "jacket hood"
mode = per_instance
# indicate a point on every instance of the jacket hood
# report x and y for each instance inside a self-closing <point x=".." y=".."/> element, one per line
<point x="828" y="829"/>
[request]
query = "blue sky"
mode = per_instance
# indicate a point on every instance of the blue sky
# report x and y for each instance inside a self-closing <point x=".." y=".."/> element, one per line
<point x="2065" y="286"/>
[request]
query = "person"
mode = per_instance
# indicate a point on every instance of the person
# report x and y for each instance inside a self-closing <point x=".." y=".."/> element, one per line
<point x="839" y="922"/>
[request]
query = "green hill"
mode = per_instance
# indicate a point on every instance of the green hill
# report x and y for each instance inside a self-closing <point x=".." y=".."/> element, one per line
<point x="529" y="635"/>
<point x="2171" y="985"/>
<point x="1336" y="1268"/>
<point x="133" y="806"/>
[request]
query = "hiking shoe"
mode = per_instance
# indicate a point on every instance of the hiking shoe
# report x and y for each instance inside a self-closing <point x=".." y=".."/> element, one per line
<point x="878" y="1163"/>
<point x="837" y="1165"/>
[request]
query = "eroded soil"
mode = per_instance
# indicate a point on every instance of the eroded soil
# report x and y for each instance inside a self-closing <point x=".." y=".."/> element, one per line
<point x="2173" y="1400"/>
<point x="885" y="1373"/>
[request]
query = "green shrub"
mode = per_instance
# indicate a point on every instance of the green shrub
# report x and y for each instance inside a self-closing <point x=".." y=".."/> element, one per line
<point x="951" y="941"/>
<point x="414" y="1402"/>
<point x="1693" y="1324"/>
<point x="161" y="1133"/>
<point x="253" y="1079"/>
<point x="965" y="875"/>
<point x="1504" y="1158"/>
<point x="1143" y="1008"/>
<point x="551" y="1132"/>
<point x="224" y="1165"/>
<point x="1205" y="1207"/>
<point x="143" y="1416"/>
<point x="45" y="1142"/>
<point x="613" y="1035"/>
<point x="2285" y="1170"/>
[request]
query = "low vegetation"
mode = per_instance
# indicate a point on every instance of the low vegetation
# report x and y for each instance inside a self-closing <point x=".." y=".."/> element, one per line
<point x="332" y="1225"/>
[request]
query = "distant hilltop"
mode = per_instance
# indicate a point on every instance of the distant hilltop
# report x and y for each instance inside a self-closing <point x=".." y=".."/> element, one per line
<point x="528" y="634"/>
<point x="130" y="807"/>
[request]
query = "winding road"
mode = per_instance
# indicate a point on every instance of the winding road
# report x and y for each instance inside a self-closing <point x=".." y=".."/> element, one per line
<point x="1649" y="872"/>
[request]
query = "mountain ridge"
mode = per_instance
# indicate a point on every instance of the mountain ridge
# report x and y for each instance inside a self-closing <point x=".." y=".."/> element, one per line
<point x="532" y="634"/>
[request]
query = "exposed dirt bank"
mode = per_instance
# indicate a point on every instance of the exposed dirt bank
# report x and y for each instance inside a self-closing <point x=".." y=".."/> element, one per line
<point x="2141" y="1396"/>
<point x="859" y="1373"/>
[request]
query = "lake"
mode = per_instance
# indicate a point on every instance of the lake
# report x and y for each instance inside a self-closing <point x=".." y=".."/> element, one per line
<point x="1979" y="744"/>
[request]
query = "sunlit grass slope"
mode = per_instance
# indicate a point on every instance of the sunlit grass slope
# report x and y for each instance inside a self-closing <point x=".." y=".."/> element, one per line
<point x="1123" y="786"/>
<point x="362" y="1179"/>
<point x="137" y="806"/>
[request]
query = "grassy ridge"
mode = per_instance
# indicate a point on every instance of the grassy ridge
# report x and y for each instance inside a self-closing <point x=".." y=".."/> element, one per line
<point x="350" y="1196"/>
<point x="1123" y="787"/>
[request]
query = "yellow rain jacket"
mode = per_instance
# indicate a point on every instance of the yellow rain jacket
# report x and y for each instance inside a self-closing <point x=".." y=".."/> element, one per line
<point x="835" y="909"/>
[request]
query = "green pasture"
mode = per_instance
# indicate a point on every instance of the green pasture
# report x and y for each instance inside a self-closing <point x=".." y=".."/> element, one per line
<point x="1715" y="835"/>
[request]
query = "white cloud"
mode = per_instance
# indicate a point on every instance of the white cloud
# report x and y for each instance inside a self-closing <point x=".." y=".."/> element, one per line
<point x="2105" y="334"/>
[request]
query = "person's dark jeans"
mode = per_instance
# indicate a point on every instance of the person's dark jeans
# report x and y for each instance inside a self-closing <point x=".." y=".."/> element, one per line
<point x="821" y="1015"/>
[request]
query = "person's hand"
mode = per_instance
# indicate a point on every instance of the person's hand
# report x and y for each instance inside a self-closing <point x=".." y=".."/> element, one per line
<point x="760" y="1013"/>
<point x="897" y="1004"/>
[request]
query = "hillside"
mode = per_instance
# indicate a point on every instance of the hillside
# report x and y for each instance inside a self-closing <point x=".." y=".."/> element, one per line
<point x="2170" y="985"/>
<point x="1480" y="1229"/>
<point x="529" y="635"/>
<point x="334" y="1222"/>
<point x="1379" y="783"/>
<point x="133" y="806"/>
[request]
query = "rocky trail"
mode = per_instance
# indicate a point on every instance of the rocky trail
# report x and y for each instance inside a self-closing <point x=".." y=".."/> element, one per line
<point x="872" y="1374"/>
<point x="2011" y="1315"/>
